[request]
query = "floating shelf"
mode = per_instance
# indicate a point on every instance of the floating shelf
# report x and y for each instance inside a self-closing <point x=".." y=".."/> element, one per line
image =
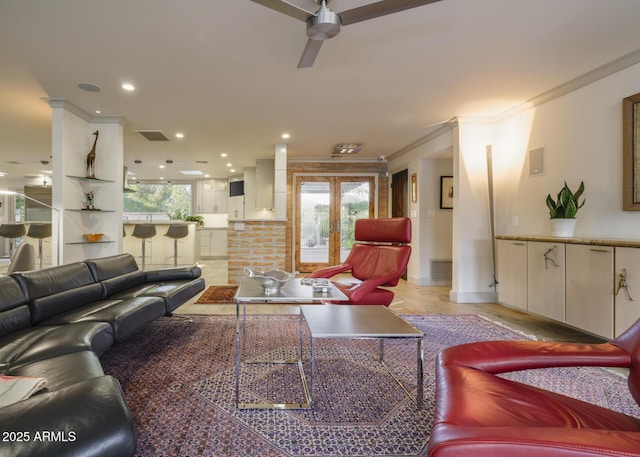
<point x="84" y="178"/>
<point x="82" y="210"/>
<point x="91" y="242"/>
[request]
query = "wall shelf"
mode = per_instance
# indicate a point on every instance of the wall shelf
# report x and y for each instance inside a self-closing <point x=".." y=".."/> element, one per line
<point x="84" y="178"/>
<point x="92" y="242"/>
<point x="82" y="210"/>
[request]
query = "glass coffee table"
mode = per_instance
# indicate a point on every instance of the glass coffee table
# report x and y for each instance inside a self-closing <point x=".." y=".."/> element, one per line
<point x="293" y="292"/>
<point x="362" y="322"/>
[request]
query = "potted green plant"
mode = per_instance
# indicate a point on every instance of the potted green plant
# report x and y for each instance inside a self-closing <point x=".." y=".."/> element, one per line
<point x="199" y="220"/>
<point x="563" y="210"/>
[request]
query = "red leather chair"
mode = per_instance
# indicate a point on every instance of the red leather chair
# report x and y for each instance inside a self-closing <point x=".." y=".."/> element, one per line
<point x="379" y="258"/>
<point x="480" y="414"/>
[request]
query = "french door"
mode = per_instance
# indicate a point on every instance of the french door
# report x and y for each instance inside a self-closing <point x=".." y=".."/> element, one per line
<point x="326" y="210"/>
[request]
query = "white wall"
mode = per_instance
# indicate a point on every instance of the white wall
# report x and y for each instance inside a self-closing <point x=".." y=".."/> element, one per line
<point x="431" y="226"/>
<point x="582" y="134"/>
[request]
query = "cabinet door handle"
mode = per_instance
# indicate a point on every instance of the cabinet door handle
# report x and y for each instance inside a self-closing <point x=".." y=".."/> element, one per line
<point x="518" y="244"/>
<point x="598" y="250"/>
<point x="548" y="259"/>
<point x="622" y="283"/>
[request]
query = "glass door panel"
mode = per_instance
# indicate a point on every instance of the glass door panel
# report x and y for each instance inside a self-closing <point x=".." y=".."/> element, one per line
<point x="314" y="222"/>
<point x="326" y="210"/>
<point x="354" y="204"/>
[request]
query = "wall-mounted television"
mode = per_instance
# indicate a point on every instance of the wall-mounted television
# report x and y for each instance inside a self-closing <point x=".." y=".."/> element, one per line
<point x="236" y="188"/>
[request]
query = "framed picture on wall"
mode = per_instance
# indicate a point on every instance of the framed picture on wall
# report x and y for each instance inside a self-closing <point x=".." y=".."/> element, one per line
<point x="446" y="192"/>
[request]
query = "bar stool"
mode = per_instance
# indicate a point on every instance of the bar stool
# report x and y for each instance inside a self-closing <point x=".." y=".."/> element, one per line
<point x="39" y="232"/>
<point x="144" y="232"/>
<point x="12" y="231"/>
<point x="176" y="232"/>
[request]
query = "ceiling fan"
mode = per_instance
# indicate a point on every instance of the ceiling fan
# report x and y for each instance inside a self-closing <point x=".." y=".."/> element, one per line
<point x="324" y="23"/>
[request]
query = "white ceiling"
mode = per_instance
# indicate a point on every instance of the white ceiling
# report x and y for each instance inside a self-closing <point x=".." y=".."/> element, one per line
<point x="224" y="73"/>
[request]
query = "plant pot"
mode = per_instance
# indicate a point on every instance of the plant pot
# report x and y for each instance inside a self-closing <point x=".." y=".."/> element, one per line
<point x="563" y="228"/>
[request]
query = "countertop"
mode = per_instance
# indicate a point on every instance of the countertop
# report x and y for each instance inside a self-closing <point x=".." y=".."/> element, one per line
<point x="596" y="241"/>
<point x="142" y="221"/>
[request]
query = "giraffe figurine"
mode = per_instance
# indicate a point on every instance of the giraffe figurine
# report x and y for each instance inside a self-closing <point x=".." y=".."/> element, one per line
<point x="91" y="158"/>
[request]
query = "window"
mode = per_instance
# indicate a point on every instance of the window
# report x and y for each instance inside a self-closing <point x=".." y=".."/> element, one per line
<point x="158" y="201"/>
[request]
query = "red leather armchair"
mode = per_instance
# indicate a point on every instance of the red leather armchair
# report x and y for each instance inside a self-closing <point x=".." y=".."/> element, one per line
<point x="379" y="258"/>
<point x="479" y="414"/>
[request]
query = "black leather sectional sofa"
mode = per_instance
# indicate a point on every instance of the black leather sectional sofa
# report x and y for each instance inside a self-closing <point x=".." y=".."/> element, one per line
<point x="54" y="323"/>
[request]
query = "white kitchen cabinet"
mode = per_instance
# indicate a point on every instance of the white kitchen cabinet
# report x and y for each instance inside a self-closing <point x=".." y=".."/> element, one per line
<point x="589" y="293"/>
<point x="212" y="242"/>
<point x="627" y="300"/>
<point x="512" y="273"/>
<point x="265" y="173"/>
<point x="546" y="279"/>
<point x="211" y="196"/>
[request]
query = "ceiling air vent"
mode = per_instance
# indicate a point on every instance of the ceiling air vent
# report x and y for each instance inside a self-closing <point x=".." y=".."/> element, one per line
<point x="153" y="135"/>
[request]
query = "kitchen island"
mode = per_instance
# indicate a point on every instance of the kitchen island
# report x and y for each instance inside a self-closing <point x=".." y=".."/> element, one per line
<point x="159" y="249"/>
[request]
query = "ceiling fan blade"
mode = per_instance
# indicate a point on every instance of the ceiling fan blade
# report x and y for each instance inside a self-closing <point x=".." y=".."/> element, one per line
<point x="310" y="53"/>
<point x="378" y="9"/>
<point x="289" y="8"/>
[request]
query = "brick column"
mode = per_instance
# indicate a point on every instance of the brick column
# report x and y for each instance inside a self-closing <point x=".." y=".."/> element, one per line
<point x="256" y="244"/>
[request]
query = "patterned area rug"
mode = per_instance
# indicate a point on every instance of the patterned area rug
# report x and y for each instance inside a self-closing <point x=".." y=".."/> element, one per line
<point x="179" y="381"/>
<point x="217" y="295"/>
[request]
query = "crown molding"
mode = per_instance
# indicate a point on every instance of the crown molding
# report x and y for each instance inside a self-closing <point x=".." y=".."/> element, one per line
<point x="592" y="76"/>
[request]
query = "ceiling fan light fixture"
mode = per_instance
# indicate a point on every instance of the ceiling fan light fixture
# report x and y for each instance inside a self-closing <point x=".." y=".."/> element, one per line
<point x="324" y="25"/>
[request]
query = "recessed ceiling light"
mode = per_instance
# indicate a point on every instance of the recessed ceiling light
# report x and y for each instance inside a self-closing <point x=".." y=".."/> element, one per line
<point x="229" y="164"/>
<point x="232" y="170"/>
<point x="206" y="176"/>
<point x="98" y="111"/>
<point x="191" y="172"/>
<point x="224" y="154"/>
<point x="2" y="174"/>
<point x="161" y="166"/>
<point x="179" y="135"/>
<point x="286" y="136"/>
<point x="128" y="86"/>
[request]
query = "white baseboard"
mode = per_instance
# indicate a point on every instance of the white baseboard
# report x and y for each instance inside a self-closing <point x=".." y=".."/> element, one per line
<point x="426" y="282"/>
<point x="473" y="297"/>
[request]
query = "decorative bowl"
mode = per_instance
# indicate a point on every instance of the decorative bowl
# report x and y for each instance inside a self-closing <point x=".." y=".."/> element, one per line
<point x="271" y="281"/>
<point x="93" y="237"/>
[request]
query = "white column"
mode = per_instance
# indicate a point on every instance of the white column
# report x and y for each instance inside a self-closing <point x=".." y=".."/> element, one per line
<point x="72" y="139"/>
<point x="280" y="184"/>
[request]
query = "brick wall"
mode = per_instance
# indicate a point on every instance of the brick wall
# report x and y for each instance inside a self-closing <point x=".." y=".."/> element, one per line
<point x="261" y="245"/>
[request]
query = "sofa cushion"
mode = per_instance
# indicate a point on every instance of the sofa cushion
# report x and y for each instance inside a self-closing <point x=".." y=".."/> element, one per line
<point x="127" y="281"/>
<point x="14" y="313"/>
<point x="55" y="290"/>
<point x="173" y="274"/>
<point x="176" y="293"/>
<point x="42" y="342"/>
<point x="45" y="307"/>
<point x="109" y="267"/>
<point x="39" y="283"/>
<point x="90" y="419"/>
<point x="62" y="370"/>
<point x="125" y="316"/>
<point x="116" y="273"/>
<point x="11" y="295"/>
<point x="173" y="293"/>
